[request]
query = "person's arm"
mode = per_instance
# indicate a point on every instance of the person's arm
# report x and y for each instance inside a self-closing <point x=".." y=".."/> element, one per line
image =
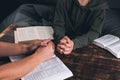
<point x="18" y="69"/>
<point x="94" y="31"/>
<point x="58" y="25"/>
<point x="8" y="49"/>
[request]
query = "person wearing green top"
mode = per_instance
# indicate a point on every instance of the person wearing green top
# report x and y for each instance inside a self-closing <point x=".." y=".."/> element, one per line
<point x="77" y="23"/>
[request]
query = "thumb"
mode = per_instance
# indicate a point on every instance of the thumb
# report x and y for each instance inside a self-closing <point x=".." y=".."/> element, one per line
<point x="67" y="39"/>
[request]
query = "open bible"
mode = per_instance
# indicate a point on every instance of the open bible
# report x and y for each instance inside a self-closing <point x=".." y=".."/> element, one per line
<point x="27" y="34"/>
<point x="53" y="69"/>
<point x="110" y="43"/>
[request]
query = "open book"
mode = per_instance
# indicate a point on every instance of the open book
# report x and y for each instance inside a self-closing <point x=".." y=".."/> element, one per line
<point x="110" y="43"/>
<point x="53" y="69"/>
<point x="26" y="34"/>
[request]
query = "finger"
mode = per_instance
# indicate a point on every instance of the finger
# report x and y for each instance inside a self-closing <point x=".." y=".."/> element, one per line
<point x="67" y="45"/>
<point x="63" y="49"/>
<point x="67" y="39"/>
<point x="52" y="44"/>
<point x="45" y="42"/>
<point x="66" y="49"/>
<point x="32" y="47"/>
<point x="63" y="41"/>
<point x="60" y="50"/>
<point x="61" y="46"/>
<point x="67" y="52"/>
<point x="69" y="42"/>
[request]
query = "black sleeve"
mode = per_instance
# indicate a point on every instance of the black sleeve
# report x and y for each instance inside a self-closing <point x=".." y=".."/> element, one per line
<point x="58" y="26"/>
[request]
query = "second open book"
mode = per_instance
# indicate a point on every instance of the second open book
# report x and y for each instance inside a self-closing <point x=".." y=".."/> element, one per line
<point x="110" y="43"/>
<point x="53" y="69"/>
<point x="27" y="34"/>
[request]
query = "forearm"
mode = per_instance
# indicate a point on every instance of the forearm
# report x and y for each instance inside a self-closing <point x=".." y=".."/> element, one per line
<point x="59" y="23"/>
<point x="18" y="69"/>
<point x="95" y="30"/>
<point x="7" y="49"/>
<point x="58" y="35"/>
<point x="85" y="39"/>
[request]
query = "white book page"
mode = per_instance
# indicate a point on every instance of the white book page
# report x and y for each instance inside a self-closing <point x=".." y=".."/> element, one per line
<point x="44" y="32"/>
<point x="105" y="40"/>
<point x="34" y="32"/>
<point x="53" y="69"/>
<point x="16" y="58"/>
<point x="27" y="33"/>
<point x="114" y="49"/>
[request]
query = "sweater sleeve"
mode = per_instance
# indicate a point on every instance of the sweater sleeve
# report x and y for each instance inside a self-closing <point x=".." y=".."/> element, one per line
<point x="94" y="31"/>
<point x="58" y="24"/>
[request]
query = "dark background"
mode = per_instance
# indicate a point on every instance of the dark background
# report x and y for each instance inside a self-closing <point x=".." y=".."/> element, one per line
<point x="114" y="3"/>
<point x="8" y="6"/>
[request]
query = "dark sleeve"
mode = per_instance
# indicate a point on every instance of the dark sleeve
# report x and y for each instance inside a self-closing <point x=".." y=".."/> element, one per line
<point x="94" y="31"/>
<point x="112" y="22"/>
<point x="58" y="24"/>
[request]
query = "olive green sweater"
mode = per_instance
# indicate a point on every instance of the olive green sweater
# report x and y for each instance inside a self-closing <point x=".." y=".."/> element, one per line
<point x="82" y="24"/>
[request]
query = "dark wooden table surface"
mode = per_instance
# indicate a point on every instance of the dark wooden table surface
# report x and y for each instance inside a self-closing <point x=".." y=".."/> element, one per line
<point x="87" y="63"/>
<point x="92" y="63"/>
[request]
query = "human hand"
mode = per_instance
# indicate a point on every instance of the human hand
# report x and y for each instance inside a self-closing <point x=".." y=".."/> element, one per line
<point x="45" y="42"/>
<point x="65" y="46"/>
<point x="37" y="43"/>
<point x="46" y="52"/>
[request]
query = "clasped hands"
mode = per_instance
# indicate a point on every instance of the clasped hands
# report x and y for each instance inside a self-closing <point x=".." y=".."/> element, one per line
<point x="65" y="45"/>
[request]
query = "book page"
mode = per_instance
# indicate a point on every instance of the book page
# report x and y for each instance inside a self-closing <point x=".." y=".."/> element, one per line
<point x="114" y="48"/>
<point x="44" y="32"/>
<point x="27" y="33"/>
<point x="105" y="40"/>
<point x="53" y="69"/>
<point x="34" y="32"/>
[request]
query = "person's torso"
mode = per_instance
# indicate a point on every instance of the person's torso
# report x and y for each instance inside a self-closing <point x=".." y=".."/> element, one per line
<point x="78" y="19"/>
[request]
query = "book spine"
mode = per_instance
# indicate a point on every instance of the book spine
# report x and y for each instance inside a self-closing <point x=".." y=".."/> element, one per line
<point x="7" y="30"/>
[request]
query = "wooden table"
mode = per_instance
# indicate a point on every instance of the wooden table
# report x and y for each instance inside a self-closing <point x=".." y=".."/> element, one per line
<point x="87" y="63"/>
<point x="92" y="63"/>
